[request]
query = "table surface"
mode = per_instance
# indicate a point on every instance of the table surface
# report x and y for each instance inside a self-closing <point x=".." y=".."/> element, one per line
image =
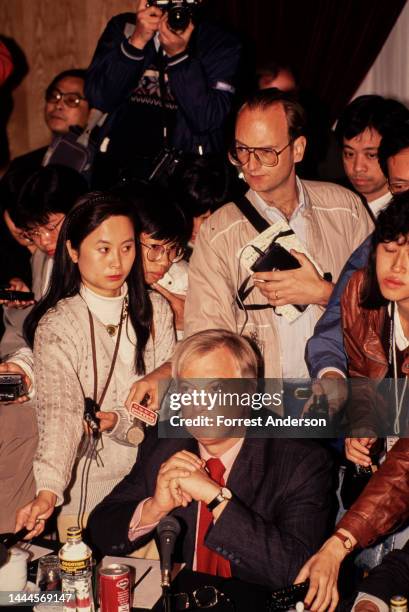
<point x="246" y="596"/>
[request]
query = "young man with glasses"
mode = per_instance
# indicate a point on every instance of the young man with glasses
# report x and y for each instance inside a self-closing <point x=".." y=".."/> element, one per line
<point x="359" y="131"/>
<point x="328" y="220"/>
<point x="164" y="233"/>
<point x="43" y="202"/>
<point x="65" y="106"/>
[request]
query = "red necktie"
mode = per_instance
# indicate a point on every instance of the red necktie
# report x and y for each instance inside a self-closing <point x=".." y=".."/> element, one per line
<point x="208" y="561"/>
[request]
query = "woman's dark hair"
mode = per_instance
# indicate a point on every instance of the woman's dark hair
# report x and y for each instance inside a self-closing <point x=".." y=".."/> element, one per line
<point x="52" y="189"/>
<point x="392" y="225"/>
<point x="201" y="184"/>
<point x="88" y="214"/>
<point x="158" y="213"/>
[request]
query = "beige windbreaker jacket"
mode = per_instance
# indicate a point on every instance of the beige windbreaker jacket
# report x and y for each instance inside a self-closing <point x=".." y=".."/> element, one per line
<point x="337" y="223"/>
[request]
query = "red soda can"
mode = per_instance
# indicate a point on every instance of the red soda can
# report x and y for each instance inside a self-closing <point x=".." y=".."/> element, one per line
<point x="114" y="588"/>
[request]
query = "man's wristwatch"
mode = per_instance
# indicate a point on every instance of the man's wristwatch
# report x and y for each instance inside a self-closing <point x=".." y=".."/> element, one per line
<point x="346" y="541"/>
<point x="225" y="494"/>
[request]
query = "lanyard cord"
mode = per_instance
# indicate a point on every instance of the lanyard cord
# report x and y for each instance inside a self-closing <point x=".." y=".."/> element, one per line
<point x="94" y="356"/>
<point x="91" y="446"/>
<point x="398" y="400"/>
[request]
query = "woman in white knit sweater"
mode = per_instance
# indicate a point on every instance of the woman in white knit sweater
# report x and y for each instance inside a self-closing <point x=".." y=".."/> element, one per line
<point x="97" y="289"/>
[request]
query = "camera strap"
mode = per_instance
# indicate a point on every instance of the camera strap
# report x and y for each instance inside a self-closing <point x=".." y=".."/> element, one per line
<point x="251" y="214"/>
<point x="162" y="96"/>
<point x="91" y="445"/>
<point x="260" y="225"/>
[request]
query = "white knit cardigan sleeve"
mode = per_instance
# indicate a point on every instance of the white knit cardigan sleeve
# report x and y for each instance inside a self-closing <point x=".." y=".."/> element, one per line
<point x="59" y="403"/>
<point x="163" y="329"/>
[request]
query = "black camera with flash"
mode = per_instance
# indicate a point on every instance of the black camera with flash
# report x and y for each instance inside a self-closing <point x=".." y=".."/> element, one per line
<point x="180" y="12"/>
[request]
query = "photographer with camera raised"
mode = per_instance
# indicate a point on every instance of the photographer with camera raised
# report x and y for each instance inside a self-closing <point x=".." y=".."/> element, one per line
<point x="167" y="79"/>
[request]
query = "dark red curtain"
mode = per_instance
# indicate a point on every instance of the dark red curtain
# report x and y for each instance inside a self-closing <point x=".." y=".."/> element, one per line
<point x="330" y="43"/>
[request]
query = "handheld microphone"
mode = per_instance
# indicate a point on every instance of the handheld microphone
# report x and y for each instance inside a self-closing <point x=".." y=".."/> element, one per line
<point x="7" y="541"/>
<point x="168" y="531"/>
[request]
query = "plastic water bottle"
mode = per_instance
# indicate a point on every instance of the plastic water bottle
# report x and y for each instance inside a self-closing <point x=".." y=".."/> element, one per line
<point x="76" y="573"/>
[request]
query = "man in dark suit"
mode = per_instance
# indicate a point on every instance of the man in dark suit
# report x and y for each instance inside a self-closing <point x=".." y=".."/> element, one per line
<point x="249" y="508"/>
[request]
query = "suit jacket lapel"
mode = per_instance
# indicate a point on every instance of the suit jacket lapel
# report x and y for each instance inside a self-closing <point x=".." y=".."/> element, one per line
<point x="243" y="480"/>
<point x="247" y="470"/>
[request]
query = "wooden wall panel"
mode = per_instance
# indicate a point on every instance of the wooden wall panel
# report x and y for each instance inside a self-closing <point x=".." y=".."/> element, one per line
<point x="54" y="36"/>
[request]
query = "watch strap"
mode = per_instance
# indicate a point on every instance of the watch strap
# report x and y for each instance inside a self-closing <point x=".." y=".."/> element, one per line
<point x="346" y="540"/>
<point x="219" y="499"/>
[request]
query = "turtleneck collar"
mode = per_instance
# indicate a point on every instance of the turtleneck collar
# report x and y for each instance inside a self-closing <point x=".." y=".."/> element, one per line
<point x="106" y="309"/>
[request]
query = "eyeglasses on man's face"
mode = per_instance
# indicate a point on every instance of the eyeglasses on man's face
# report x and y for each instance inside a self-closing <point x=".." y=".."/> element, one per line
<point x="43" y="231"/>
<point x="72" y="99"/>
<point x="267" y="156"/>
<point x="155" y="252"/>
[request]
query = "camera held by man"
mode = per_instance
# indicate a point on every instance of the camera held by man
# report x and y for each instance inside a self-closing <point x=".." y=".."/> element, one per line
<point x="180" y="12"/>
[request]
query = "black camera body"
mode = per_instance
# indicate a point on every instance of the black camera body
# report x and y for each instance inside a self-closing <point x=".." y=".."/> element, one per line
<point x="90" y="410"/>
<point x="180" y="12"/>
<point x="276" y="257"/>
<point x="10" y="295"/>
<point x="11" y="387"/>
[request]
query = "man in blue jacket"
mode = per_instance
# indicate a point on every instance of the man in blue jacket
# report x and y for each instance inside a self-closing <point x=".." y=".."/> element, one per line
<point x="162" y="86"/>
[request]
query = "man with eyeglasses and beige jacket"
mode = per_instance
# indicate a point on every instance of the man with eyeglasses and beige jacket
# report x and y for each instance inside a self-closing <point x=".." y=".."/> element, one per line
<point x="328" y="221"/>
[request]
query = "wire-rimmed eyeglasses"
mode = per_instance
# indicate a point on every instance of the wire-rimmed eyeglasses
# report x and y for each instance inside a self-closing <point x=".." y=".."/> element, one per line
<point x="43" y="231"/>
<point x="155" y="252"/>
<point x="267" y="156"/>
<point x="202" y="598"/>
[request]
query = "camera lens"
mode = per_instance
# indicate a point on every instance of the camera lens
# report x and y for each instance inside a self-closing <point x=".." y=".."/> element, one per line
<point x="178" y="18"/>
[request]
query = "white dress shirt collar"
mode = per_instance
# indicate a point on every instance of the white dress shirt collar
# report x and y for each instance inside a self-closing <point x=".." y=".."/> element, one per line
<point x="376" y="206"/>
<point x="269" y="211"/>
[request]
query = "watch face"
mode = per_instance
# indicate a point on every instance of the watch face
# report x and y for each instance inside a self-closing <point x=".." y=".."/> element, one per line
<point x="226" y="493"/>
<point x="348" y="544"/>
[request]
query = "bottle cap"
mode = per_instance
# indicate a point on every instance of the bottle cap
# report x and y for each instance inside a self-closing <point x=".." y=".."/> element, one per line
<point x="399" y="601"/>
<point x="74" y="533"/>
